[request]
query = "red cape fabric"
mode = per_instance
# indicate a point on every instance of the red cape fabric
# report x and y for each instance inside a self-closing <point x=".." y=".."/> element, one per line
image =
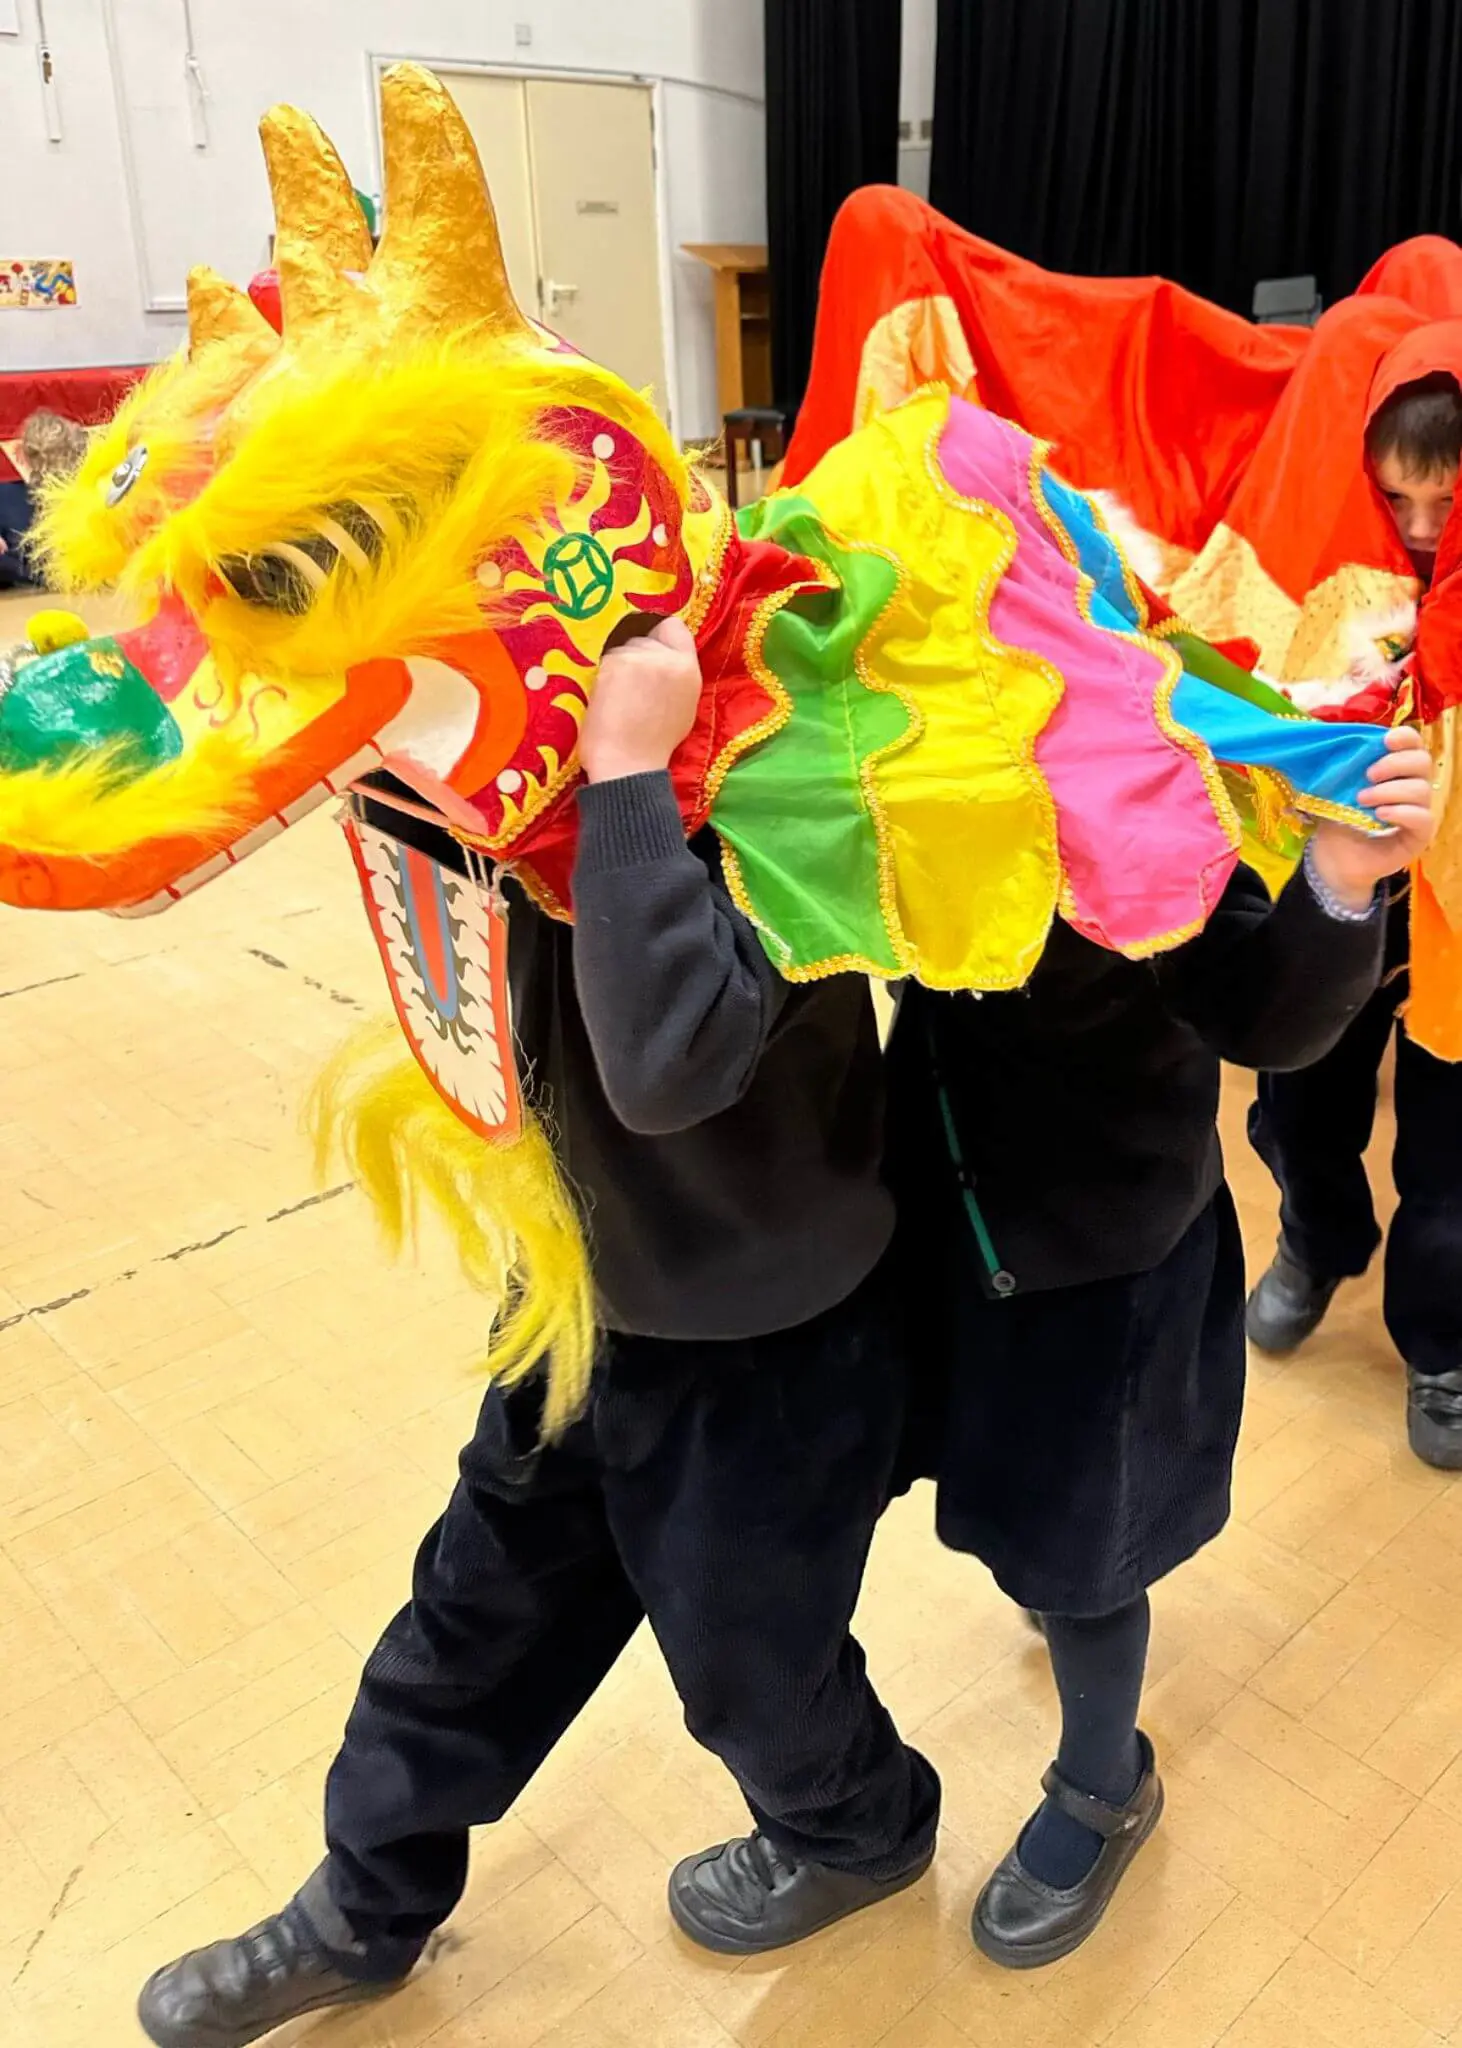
<point x="1190" y="414"/>
<point x="1308" y="505"/>
<point x="82" y="395"/>
<point x="1141" y="387"/>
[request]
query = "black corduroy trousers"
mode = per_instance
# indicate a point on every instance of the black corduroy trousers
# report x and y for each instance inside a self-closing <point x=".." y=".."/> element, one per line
<point x="727" y="1490"/>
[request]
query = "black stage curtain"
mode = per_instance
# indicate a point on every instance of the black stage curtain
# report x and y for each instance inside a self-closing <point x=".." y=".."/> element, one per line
<point x="1217" y="142"/>
<point x="832" y="125"/>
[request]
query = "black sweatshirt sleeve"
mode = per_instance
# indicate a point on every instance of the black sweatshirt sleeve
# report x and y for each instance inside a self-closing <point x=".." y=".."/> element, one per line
<point x="676" y="991"/>
<point x="1273" y="985"/>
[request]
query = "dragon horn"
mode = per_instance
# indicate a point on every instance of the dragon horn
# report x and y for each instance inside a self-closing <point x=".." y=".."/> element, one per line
<point x="219" y="311"/>
<point x="321" y="232"/>
<point x="441" y="258"/>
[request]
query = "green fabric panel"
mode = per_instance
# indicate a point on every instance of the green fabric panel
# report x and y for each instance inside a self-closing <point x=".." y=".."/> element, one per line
<point x="81" y="698"/>
<point x="1210" y="666"/>
<point x="793" y="808"/>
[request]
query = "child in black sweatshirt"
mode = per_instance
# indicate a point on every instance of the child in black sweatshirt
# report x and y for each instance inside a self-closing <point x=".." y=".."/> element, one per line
<point x="725" y="1131"/>
<point x="1073" y="1261"/>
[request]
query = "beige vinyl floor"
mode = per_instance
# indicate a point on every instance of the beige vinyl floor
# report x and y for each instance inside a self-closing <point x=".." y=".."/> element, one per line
<point x="225" y="1420"/>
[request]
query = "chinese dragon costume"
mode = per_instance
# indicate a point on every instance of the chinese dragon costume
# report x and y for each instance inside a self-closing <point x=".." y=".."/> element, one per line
<point x="1229" y="458"/>
<point x="376" y="555"/>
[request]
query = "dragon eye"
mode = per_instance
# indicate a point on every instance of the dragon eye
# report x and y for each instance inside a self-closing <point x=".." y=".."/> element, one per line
<point x="126" y="474"/>
<point x="287" y="576"/>
<point x="271" y="580"/>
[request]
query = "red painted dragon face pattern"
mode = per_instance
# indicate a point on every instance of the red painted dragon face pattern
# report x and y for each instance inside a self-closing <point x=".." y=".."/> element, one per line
<point x="614" y="546"/>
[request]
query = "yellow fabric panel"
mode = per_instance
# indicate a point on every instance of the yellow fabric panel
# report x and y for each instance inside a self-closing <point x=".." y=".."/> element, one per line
<point x="966" y="822"/>
<point x="1226" y="594"/>
<point x="1434" y="1011"/>
<point x="920" y="342"/>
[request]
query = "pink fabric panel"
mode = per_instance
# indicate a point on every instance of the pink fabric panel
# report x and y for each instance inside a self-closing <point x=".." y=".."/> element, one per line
<point x="1143" y="850"/>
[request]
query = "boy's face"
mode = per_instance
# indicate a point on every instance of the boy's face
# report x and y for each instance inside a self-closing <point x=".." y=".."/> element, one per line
<point x="1420" y="505"/>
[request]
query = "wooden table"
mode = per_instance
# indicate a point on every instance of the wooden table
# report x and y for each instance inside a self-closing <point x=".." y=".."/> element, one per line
<point x="743" y="321"/>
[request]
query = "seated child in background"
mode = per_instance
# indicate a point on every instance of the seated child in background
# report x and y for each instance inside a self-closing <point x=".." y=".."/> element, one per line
<point x="49" y="447"/>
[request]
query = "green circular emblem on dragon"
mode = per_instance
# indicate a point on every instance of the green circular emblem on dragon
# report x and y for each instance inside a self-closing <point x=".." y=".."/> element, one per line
<point x="578" y="575"/>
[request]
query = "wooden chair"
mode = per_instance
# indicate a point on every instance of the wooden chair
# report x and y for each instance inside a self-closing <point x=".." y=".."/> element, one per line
<point x="762" y="431"/>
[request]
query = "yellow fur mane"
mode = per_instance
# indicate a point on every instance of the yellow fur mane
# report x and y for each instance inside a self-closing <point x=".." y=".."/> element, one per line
<point x="89" y="808"/>
<point x="85" y="543"/>
<point x="441" y="447"/>
<point x="511" y="1219"/>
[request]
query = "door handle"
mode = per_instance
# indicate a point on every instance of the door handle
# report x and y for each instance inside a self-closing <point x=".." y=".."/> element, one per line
<point x="554" y="294"/>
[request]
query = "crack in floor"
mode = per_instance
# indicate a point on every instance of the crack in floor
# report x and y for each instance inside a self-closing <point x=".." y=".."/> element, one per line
<point x="182" y="1251"/>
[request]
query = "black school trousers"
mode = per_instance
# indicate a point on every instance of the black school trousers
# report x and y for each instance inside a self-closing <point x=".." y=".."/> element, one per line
<point x="727" y="1490"/>
<point x="1312" y="1128"/>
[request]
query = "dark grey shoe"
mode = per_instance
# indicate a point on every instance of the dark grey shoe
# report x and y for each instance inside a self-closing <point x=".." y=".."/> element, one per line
<point x="1434" y="1418"/>
<point x="744" y="1897"/>
<point x="236" y="1991"/>
<point x="1288" y="1305"/>
<point x="1021" y="1923"/>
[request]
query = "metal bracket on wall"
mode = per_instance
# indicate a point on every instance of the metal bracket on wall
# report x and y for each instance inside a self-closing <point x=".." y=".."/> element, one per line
<point x="45" y="59"/>
<point x="197" y="83"/>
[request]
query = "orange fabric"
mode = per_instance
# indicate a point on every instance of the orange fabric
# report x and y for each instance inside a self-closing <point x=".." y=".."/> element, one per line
<point x="1434" y="346"/>
<point x="1421" y="271"/>
<point x="1141" y="387"/>
<point x="1307" y="505"/>
<point x="1188" y="413"/>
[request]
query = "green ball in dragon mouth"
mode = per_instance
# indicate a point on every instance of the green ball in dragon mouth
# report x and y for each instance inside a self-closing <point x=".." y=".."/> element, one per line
<point x="80" y="700"/>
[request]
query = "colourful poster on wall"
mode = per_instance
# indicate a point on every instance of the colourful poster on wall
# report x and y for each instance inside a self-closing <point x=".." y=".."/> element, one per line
<point x="36" y="284"/>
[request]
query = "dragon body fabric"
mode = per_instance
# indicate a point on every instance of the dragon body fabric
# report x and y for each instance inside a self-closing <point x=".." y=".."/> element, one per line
<point x="1230" y="457"/>
<point x="378" y="555"/>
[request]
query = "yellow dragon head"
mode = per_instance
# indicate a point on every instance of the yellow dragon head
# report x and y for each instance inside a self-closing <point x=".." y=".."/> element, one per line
<point x="399" y="536"/>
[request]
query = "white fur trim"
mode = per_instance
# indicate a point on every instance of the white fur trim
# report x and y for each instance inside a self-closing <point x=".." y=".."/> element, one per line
<point x="1366" y="633"/>
<point x="1324" y="696"/>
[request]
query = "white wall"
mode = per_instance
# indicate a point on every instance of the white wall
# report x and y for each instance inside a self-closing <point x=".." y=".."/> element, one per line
<point x="916" y="92"/>
<point x="716" y="191"/>
<point x="125" y="101"/>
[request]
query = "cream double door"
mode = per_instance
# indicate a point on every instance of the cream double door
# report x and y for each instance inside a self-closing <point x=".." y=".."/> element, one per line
<point x="571" y="165"/>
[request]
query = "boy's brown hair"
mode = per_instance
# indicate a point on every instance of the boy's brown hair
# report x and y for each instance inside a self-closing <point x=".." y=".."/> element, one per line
<point x="1421" y="425"/>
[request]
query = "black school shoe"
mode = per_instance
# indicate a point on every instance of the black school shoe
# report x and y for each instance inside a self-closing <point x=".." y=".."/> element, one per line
<point x="235" y="1992"/>
<point x="1434" y="1418"/>
<point x="745" y="1897"/>
<point x="1021" y="1923"/>
<point x="1288" y="1305"/>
